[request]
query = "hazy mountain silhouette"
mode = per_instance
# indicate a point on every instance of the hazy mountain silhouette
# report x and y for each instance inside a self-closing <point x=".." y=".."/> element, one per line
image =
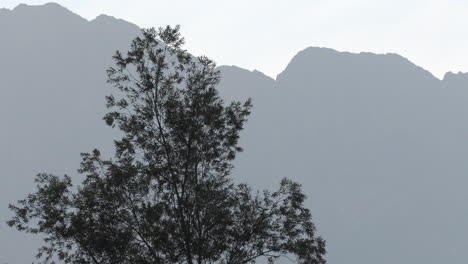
<point x="52" y="86"/>
<point x="379" y="143"/>
<point x="455" y="80"/>
<point x="380" y="146"/>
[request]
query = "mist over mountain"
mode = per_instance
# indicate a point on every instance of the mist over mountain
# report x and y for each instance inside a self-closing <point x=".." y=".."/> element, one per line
<point x="379" y="144"/>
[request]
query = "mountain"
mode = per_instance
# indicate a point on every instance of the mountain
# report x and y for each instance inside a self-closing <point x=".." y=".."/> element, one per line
<point x="240" y="84"/>
<point x="455" y="80"/>
<point x="52" y="86"/>
<point x="380" y="146"/>
<point x="378" y="143"/>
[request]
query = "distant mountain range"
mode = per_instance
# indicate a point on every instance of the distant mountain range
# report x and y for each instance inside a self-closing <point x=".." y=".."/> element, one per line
<point x="379" y="144"/>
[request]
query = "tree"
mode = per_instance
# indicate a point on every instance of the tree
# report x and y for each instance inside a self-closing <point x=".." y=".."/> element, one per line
<point x="167" y="195"/>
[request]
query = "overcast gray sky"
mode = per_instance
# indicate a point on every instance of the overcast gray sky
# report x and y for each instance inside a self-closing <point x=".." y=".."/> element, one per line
<point x="266" y="34"/>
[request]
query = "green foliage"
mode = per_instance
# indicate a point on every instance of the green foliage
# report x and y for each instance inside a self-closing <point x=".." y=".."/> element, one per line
<point x="167" y="195"/>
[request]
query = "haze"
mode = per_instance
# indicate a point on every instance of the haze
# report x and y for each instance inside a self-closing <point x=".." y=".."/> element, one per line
<point x="264" y="35"/>
<point x="378" y="142"/>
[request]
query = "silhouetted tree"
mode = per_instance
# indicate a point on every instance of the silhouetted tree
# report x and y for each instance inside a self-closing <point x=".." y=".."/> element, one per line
<point x="167" y="195"/>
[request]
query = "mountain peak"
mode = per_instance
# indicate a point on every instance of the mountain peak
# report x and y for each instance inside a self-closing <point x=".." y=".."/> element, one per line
<point x="51" y="11"/>
<point x="46" y="6"/>
<point x="319" y="62"/>
<point x="459" y="74"/>
<point x="238" y="70"/>
<point x="459" y="79"/>
<point x="105" y="18"/>
<point x="109" y="23"/>
<point x="323" y="51"/>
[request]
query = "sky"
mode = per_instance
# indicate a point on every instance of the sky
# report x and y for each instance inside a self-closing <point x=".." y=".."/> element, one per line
<point x="265" y="34"/>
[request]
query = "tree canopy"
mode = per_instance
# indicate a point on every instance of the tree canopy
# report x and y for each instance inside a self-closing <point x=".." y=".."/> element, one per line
<point x="167" y="195"/>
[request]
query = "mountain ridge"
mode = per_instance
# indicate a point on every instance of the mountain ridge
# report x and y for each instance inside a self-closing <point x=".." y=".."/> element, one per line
<point x="311" y="53"/>
<point x="103" y="18"/>
<point x="376" y="141"/>
<point x="52" y="9"/>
